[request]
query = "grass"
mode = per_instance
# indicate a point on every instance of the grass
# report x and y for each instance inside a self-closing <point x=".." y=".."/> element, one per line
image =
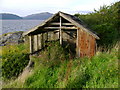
<point x="14" y="58"/>
<point x="53" y="68"/>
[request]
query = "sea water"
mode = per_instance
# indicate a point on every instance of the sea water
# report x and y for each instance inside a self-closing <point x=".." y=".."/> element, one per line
<point x="17" y="25"/>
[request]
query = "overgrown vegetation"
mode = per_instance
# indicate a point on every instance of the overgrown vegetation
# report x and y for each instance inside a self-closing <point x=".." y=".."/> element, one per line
<point x="105" y="22"/>
<point x="54" y="67"/>
<point x="14" y="59"/>
<point x="101" y="71"/>
<point x="59" y="71"/>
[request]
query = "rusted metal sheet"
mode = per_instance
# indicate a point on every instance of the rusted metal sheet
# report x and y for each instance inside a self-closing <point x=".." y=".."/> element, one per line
<point x="92" y="46"/>
<point x="85" y="44"/>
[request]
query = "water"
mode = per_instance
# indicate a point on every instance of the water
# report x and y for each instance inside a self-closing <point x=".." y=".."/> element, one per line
<point x="18" y="25"/>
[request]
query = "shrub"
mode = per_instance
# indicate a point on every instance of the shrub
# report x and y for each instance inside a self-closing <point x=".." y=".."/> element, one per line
<point x="101" y="71"/>
<point x="14" y="60"/>
<point x="105" y="22"/>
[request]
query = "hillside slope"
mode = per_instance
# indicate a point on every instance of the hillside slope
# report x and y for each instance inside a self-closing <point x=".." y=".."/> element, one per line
<point x="9" y="16"/>
<point x="39" y="16"/>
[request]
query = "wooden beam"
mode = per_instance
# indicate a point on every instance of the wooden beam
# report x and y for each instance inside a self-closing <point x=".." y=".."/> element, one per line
<point x="69" y="34"/>
<point x="46" y="36"/>
<point x="35" y="43"/>
<point x="62" y="27"/>
<point x="31" y="43"/>
<point x="60" y="31"/>
<point x="57" y="23"/>
<point x="39" y="41"/>
<point x="77" y="44"/>
<point x="42" y="40"/>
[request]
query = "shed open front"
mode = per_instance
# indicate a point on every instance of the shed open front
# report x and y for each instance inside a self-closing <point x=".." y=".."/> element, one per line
<point x="66" y="29"/>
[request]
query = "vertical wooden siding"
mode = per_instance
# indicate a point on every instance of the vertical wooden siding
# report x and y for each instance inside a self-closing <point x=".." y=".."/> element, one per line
<point x="37" y="42"/>
<point x="85" y="44"/>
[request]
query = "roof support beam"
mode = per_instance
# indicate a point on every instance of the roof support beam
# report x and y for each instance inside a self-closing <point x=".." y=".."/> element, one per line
<point x="61" y="27"/>
<point x="56" y="23"/>
<point x="69" y="34"/>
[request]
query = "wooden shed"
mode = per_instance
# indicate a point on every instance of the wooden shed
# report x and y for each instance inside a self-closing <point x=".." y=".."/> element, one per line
<point x="67" y="29"/>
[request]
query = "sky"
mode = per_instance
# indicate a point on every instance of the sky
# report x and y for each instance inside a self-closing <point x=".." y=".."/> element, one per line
<point x="27" y="7"/>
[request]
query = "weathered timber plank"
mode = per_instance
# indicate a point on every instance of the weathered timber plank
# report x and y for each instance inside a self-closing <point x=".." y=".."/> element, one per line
<point x="60" y="31"/>
<point x="31" y="43"/>
<point x="35" y="43"/>
<point x="69" y="34"/>
<point x="62" y="27"/>
<point x="57" y="23"/>
<point x="42" y="40"/>
<point x="77" y="44"/>
<point x="39" y="41"/>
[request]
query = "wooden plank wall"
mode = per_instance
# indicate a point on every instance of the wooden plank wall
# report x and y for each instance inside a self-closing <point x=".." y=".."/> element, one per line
<point x="53" y="36"/>
<point x="38" y="41"/>
<point x="86" y="44"/>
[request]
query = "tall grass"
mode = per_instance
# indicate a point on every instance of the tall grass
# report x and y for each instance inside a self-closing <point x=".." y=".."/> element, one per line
<point x="14" y="59"/>
<point x="101" y="71"/>
<point x="53" y="68"/>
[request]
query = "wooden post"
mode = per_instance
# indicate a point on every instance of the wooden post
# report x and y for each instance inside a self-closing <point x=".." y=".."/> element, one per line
<point x="60" y="33"/>
<point x="35" y="43"/>
<point x="46" y="36"/>
<point x="39" y="41"/>
<point x="77" y="44"/>
<point x="31" y="43"/>
<point x="42" y="40"/>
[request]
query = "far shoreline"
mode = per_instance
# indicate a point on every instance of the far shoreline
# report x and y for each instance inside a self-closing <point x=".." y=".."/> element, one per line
<point x="20" y="19"/>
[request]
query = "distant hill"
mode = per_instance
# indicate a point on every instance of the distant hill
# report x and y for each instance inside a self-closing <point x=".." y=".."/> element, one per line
<point x="9" y="16"/>
<point x="39" y="16"/>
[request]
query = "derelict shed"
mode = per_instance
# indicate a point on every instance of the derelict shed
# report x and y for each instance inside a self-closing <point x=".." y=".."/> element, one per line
<point x="67" y="29"/>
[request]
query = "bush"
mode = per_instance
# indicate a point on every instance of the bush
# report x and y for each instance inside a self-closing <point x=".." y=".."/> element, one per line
<point x="47" y="67"/>
<point x="101" y="71"/>
<point x="52" y="55"/>
<point x="105" y="22"/>
<point x="14" y="60"/>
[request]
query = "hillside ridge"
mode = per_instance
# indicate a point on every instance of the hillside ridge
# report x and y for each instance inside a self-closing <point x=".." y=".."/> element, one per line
<point x="37" y="16"/>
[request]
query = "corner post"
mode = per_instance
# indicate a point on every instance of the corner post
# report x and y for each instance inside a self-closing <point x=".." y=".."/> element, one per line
<point x="77" y="45"/>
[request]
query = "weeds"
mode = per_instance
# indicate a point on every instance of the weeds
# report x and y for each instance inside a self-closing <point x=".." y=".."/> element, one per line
<point x="14" y="59"/>
<point x="101" y="71"/>
<point x="53" y="68"/>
